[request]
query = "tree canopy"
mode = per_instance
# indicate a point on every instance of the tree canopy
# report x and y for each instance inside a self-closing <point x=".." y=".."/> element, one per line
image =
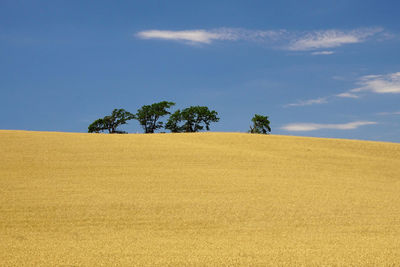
<point x="260" y="124"/>
<point x="149" y="115"/>
<point x="117" y="118"/>
<point x="191" y="119"/>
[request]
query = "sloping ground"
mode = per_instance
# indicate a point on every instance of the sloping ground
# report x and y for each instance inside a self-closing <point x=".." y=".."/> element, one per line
<point x="71" y="199"/>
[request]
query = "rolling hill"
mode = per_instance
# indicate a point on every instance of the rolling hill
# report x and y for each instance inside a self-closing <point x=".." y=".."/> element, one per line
<point x="71" y="199"/>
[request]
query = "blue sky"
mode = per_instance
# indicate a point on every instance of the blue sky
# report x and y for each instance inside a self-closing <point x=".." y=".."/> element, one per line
<point x="316" y="68"/>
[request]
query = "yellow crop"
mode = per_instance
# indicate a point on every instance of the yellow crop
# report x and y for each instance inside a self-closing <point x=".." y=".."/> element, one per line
<point x="70" y="199"/>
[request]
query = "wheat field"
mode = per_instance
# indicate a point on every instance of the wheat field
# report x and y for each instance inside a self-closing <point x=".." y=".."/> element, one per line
<point x="214" y="199"/>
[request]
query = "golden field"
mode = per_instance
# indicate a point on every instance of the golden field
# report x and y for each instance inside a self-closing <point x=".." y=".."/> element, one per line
<point x="69" y="199"/>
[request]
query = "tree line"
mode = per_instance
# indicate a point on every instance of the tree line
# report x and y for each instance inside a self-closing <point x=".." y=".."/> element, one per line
<point x="191" y="119"/>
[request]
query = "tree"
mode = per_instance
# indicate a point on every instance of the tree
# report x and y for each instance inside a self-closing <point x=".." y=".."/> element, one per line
<point x="97" y="126"/>
<point x="193" y="118"/>
<point x="173" y="121"/>
<point x="149" y="115"/>
<point x="117" y="118"/>
<point x="260" y="124"/>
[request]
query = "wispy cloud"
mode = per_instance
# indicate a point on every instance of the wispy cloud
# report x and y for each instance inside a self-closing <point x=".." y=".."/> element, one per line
<point x="331" y="38"/>
<point x="318" y="53"/>
<point x="380" y="84"/>
<point x="282" y="39"/>
<point x="303" y="127"/>
<point x="194" y="36"/>
<point x="309" y="102"/>
<point x="348" y="95"/>
<point x="208" y="36"/>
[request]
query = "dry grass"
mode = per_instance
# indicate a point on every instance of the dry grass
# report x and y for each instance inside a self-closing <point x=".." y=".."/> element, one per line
<point x="197" y="199"/>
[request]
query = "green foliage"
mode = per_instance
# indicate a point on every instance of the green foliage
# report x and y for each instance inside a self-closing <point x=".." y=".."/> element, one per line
<point x="193" y="118"/>
<point x="149" y="115"/>
<point x="111" y="122"/>
<point x="97" y="126"/>
<point x="260" y="124"/>
<point x="173" y="121"/>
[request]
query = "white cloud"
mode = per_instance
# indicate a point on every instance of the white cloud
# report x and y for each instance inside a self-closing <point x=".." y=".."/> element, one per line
<point x="321" y="100"/>
<point x="322" y="53"/>
<point x="195" y="36"/>
<point x="301" y="127"/>
<point x="251" y="35"/>
<point x="330" y="38"/>
<point x="380" y="84"/>
<point x="348" y="95"/>
<point x="282" y="39"/>
<point x="208" y="36"/>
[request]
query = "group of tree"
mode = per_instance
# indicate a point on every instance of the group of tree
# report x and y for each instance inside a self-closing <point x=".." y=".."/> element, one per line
<point x="191" y="119"/>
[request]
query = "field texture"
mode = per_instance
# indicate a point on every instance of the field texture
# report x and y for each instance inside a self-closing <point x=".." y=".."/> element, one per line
<point x="71" y="199"/>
